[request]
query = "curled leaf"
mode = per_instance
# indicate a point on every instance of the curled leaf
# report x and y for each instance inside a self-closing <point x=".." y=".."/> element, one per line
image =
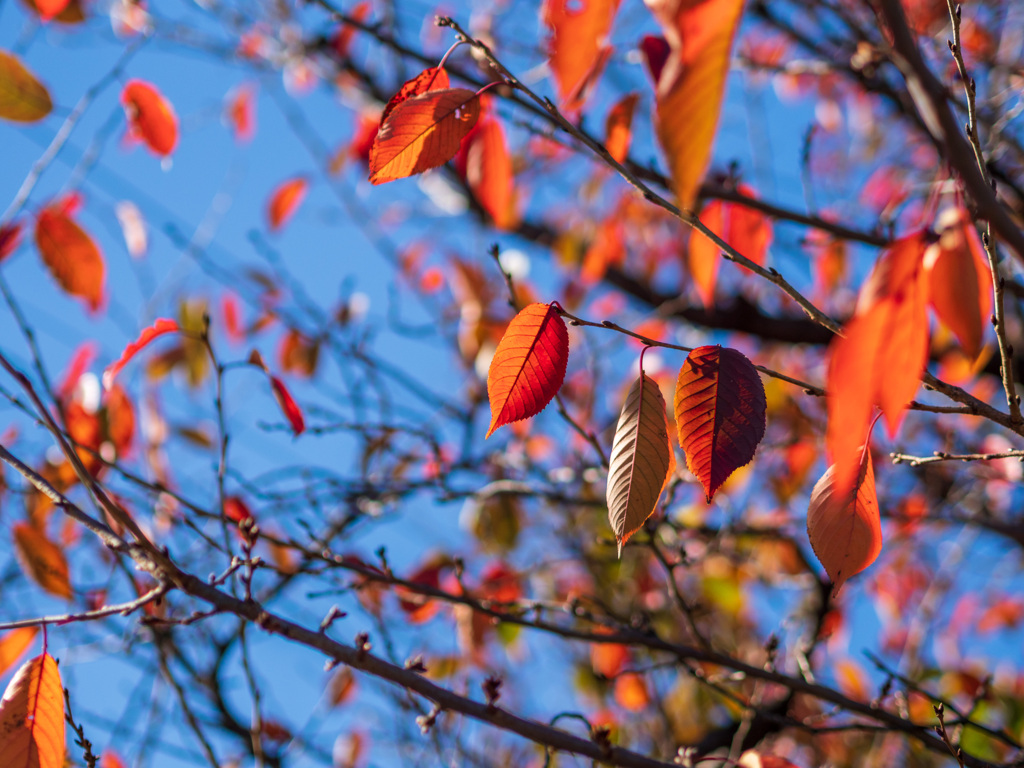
<point x="845" y="528"/>
<point x="32" y="717"/>
<point x="720" y="408"/>
<point x="422" y="132"/>
<point x="23" y="99"/>
<point x="150" y="116"/>
<point x="529" y="365"/>
<point x="641" y="460"/>
<point x="159" y="328"/>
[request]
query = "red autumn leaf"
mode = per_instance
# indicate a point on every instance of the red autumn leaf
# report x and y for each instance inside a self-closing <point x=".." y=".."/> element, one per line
<point x="606" y="249"/>
<point x="10" y="237"/>
<point x="120" y="420"/>
<point x="844" y="526"/>
<point x="720" y="411"/>
<point x="419" y="608"/>
<point x="529" y="365"/>
<point x="500" y="583"/>
<point x="655" y="50"/>
<point x="748" y="230"/>
<point x="579" y="37"/>
<point x="630" y="692"/>
<point x="704" y="254"/>
<point x="1005" y="613"/>
<point x="49" y="9"/>
<point x="691" y="84"/>
<point x="241" y="112"/>
<point x="959" y="280"/>
<point x="70" y="254"/>
<point x="298" y="354"/>
<point x="159" y="328"/>
<point x="42" y="560"/>
<point x="284" y="200"/>
<point x="881" y="356"/>
<point x="422" y="132"/>
<point x="150" y="116"/>
<point x="110" y="759"/>
<point x="13" y="645"/>
<point x="232" y="315"/>
<point x="430" y="79"/>
<point x="32" y="717"/>
<point x="488" y="172"/>
<point x="288" y="406"/>
<point x="80" y="362"/>
<point x="618" y="127"/>
<point x="608" y="659"/>
<point x="342" y="38"/>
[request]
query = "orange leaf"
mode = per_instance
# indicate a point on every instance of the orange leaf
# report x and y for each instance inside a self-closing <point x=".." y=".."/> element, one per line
<point x="288" y="406"/>
<point x="749" y="231"/>
<point x="70" y="254"/>
<point x="32" y="717"/>
<point x="342" y="38"/>
<point x="529" y="365"/>
<point x="845" y="528"/>
<point x="489" y="172"/>
<point x="881" y="357"/>
<point x="606" y="249"/>
<point x="422" y="132"/>
<point x="110" y="759"/>
<point x="430" y="79"/>
<point x="284" y="200"/>
<point x="720" y="410"/>
<point x="120" y="420"/>
<point x="23" y="99"/>
<point x="13" y="645"/>
<point x="631" y="692"/>
<point x="579" y="35"/>
<point x="641" y="461"/>
<point x="705" y="254"/>
<point x="959" y="280"/>
<point x="341" y="686"/>
<point x="49" y="9"/>
<point x="159" y="328"/>
<point x="150" y="116"/>
<point x="241" y="112"/>
<point x="618" y="127"/>
<point x="691" y="84"/>
<point x="42" y="560"/>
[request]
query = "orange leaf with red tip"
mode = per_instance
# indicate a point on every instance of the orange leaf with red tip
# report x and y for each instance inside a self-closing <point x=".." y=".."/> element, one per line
<point x="691" y="84"/>
<point x="844" y="526"/>
<point x="32" y="717"/>
<point x="42" y="560"/>
<point x="13" y="645"/>
<point x="150" y="116"/>
<point x="881" y="356"/>
<point x="422" y="132"/>
<point x="291" y="411"/>
<point x="284" y="201"/>
<point x="960" y="281"/>
<point x="70" y="254"/>
<point x="430" y="79"/>
<point x="618" y="127"/>
<point x="489" y="172"/>
<point x="720" y="408"/>
<point x="159" y="328"/>
<point x="579" y="37"/>
<point x="529" y="365"/>
<point x="705" y="254"/>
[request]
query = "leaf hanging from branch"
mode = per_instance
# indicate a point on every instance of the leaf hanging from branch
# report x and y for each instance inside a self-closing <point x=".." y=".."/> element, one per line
<point x="489" y="172"/>
<point x="23" y="98"/>
<point x="691" y="84"/>
<point x="159" y="328"/>
<point x="845" y="528"/>
<point x="422" y="132"/>
<point x="720" y="408"/>
<point x="641" y="459"/>
<point x="430" y="79"/>
<point x="529" y="365"/>
<point x="32" y="717"/>
<point x="577" y="49"/>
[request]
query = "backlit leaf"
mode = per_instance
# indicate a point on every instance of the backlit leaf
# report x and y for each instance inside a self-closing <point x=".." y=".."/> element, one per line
<point x="23" y="98"/>
<point x="430" y="79"/>
<point x="844" y="527"/>
<point x="284" y="201"/>
<point x="13" y="645"/>
<point x="42" y="560"/>
<point x="691" y="84"/>
<point x="32" y="717"/>
<point x="579" y="36"/>
<point x="150" y="116"/>
<point x="10" y="238"/>
<point x="748" y="230"/>
<point x="49" y="9"/>
<point x="618" y="127"/>
<point x="881" y="356"/>
<point x="529" y="365"/>
<point x="959" y="280"/>
<point x="705" y="255"/>
<point x="159" y="328"/>
<point x="641" y="459"/>
<point x="720" y="410"/>
<point x="489" y="172"/>
<point x="422" y="132"/>
<point x="70" y="254"/>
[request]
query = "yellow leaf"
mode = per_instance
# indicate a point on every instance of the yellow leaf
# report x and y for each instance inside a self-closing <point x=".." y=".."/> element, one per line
<point x="23" y="99"/>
